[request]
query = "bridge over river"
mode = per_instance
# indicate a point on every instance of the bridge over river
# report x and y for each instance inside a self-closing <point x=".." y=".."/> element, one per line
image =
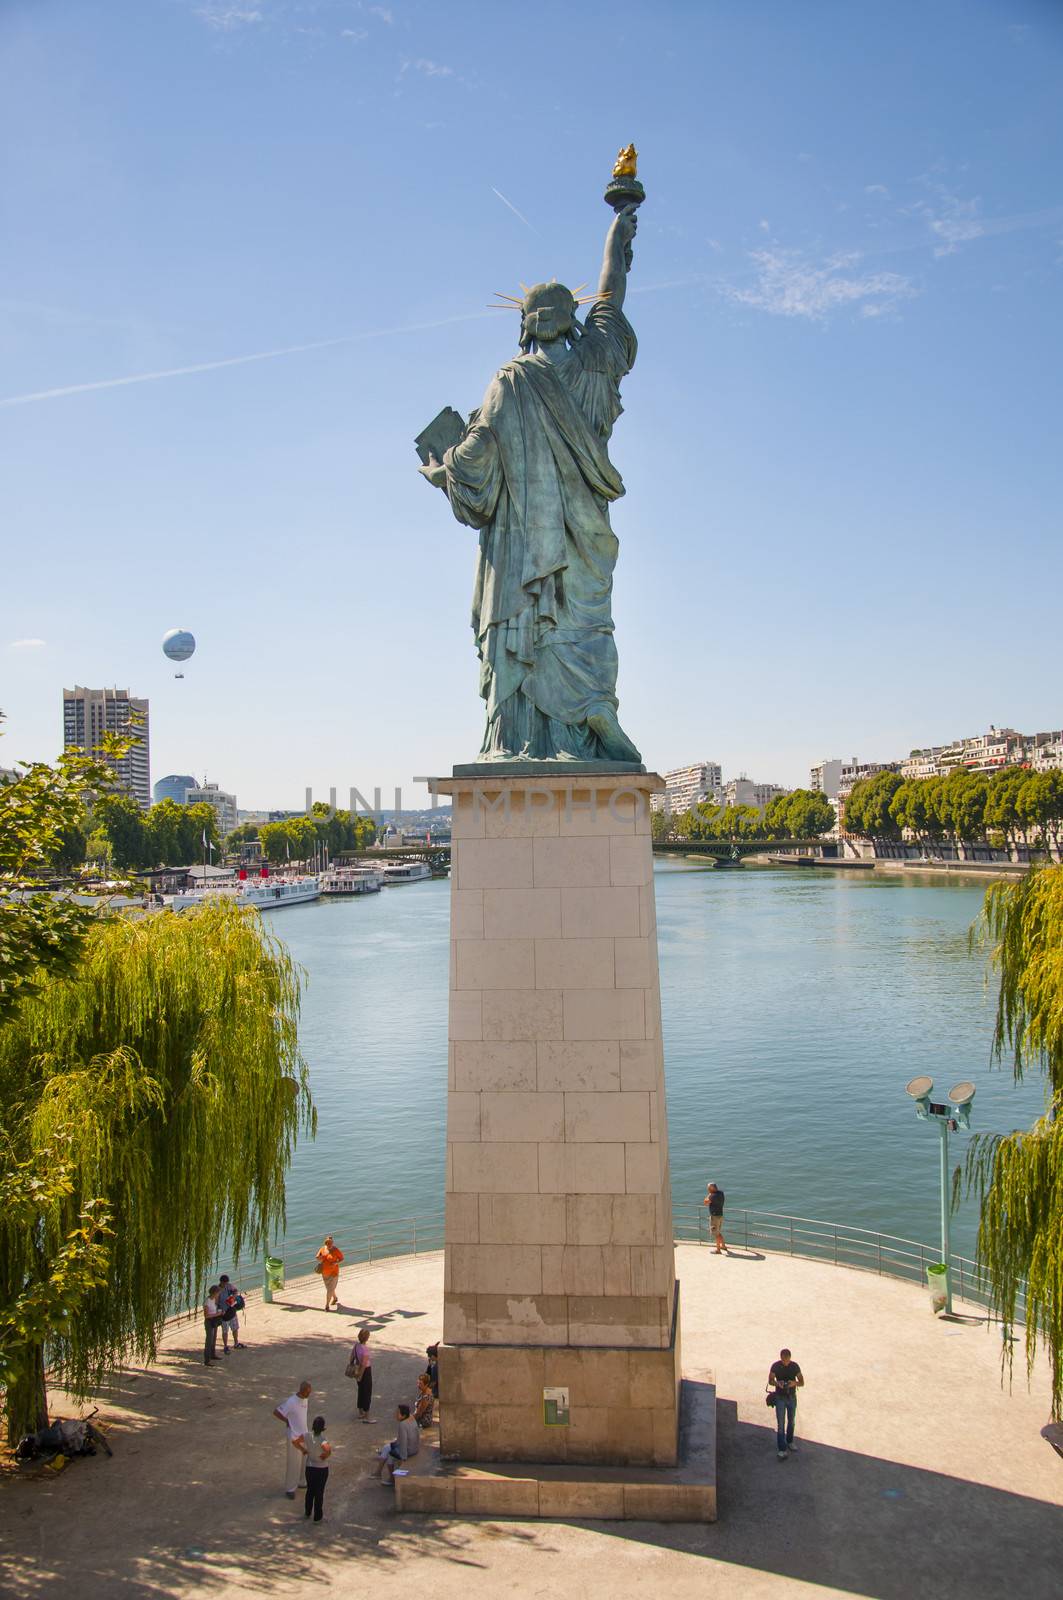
<point x="723" y="851"/>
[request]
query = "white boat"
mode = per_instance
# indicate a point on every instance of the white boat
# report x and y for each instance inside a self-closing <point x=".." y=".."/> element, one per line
<point x="345" y="881"/>
<point x="405" y="872"/>
<point x="265" y="894"/>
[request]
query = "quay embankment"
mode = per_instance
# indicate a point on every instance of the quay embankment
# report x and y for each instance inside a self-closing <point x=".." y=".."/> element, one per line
<point x="916" y="1472"/>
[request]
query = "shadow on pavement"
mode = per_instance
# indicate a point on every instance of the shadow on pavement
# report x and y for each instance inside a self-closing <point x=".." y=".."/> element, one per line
<point x="858" y="1523"/>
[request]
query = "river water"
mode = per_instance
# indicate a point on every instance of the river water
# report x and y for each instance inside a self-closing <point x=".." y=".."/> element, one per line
<point x="796" y="1005"/>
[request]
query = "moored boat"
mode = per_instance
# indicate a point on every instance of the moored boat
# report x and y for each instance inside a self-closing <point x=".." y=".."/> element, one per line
<point x="345" y="881"/>
<point x="405" y="872"/>
<point x="265" y="894"/>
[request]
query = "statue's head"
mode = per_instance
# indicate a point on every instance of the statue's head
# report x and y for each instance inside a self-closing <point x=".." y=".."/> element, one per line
<point x="548" y="311"/>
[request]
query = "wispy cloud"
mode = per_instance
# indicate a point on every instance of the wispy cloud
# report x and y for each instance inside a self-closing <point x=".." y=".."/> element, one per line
<point x="382" y="14"/>
<point x="430" y="69"/>
<point x="513" y="208"/>
<point x="357" y="34"/>
<point x="952" y="220"/>
<point x="790" y="285"/>
<point x="27" y="644"/>
<point x="877" y="188"/>
<point x="236" y="361"/>
<point x="225" y="16"/>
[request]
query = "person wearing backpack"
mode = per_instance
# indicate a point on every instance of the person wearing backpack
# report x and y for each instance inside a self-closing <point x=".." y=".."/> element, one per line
<point x="230" y="1303"/>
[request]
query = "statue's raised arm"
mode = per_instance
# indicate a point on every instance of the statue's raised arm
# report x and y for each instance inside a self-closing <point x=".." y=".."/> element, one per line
<point x="616" y="262"/>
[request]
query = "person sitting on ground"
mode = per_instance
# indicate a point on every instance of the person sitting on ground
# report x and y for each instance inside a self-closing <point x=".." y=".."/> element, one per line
<point x="406" y="1444"/>
<point x="424" y="1410"/>
<point x="432" y="1370"/>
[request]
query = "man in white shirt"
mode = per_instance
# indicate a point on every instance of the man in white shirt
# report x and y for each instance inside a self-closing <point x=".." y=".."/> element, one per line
<point x="292" y="1412"/>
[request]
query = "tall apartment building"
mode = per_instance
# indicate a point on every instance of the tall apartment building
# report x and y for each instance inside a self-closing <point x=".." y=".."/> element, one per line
<point x="686" y="787"/>
<point x="224" y="804"/>
<point x="825" y="777"/>
<point x="90" y="713"/>
<point x="744" y="792"/>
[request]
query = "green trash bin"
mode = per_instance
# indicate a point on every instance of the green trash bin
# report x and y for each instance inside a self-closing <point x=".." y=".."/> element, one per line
<point x="937" y="1281"/>
<point x="274" y="1279"/>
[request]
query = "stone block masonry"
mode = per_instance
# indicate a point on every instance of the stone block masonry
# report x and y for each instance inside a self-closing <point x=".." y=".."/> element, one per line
<point x="560" y="1266"/>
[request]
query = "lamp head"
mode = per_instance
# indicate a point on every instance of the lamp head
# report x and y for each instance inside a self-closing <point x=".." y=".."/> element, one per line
<point x="919" y="1089"/>
<point x="961" y="1096"/>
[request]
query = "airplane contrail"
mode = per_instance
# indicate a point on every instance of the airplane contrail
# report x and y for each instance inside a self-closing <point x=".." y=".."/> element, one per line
<point x="235" y="361"/>
<point x="513" y="208"/>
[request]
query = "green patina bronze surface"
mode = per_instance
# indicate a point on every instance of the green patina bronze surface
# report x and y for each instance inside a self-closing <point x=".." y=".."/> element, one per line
<point x="532" y="473"/>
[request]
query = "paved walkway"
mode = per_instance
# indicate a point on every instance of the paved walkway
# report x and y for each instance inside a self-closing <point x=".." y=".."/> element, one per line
<point x="917" y="1474"/>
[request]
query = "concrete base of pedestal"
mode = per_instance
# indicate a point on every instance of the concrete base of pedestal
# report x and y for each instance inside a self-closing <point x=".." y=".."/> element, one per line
<point x="623" y="1403"/>
<point x="685" y="1492"/>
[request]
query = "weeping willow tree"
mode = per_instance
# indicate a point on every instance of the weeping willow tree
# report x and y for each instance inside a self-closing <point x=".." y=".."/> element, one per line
<point x="1019" y="1176"/>
<point x="150" y="1103"/>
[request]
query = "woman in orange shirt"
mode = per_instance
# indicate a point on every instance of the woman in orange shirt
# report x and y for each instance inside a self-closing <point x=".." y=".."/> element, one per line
<point x="328" y="1264"/>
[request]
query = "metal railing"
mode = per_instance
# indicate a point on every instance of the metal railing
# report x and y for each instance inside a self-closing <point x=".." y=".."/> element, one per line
<point x="843" y="1246"/>
<point x="861" y="1249"/>
<point x="376" y="1241"/>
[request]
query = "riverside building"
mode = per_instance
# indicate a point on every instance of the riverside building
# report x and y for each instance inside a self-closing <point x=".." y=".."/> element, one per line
<point x="174" y="786"/>
<point x="224" y="805"/>
<point x="744" y="792"/>
<point x="687" y="787"/>
<point x="825" y="777"/>
<point x="88" y="714"/>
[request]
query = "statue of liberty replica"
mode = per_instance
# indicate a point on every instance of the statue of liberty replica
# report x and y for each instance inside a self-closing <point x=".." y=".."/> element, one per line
<point x="531" y="471"/>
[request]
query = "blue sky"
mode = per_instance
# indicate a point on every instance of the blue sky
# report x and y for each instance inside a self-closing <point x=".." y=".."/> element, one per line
<point x="841" y="439"/>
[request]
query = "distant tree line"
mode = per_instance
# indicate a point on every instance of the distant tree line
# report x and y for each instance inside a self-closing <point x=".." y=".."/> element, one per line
<point x="1013" y="804"/>
<point x="296" y="838"/>
<point x="166" y="835"/>
<point x="800" y="814"/>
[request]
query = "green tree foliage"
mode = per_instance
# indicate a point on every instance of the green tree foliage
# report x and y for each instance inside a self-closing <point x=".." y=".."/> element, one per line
<point x="801" y="814"/>
<point x="123" y="822"/>
<point x="867" y="810"/>
<point x="1019" y="1176"/>
<point x="964" y="807"/>
<point x="167" y="835"/>
<point x="296" y="838"/>
<point x="160" y="1084"/>
<point x="244" y="834"/>
<point x="41" y="812"/>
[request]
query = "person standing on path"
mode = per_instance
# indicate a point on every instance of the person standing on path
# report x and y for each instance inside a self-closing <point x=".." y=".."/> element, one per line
<point x="292" y="1412"/>
<point x="317" y="1450"/>
<point x="362" y="1361"/>
<point x="228" y="1296"/>
<point x="328" y="1264"/>
<point x="784" y="1379"/>
<point x="211" y="1319"/>
<point x="714" y="1199"/>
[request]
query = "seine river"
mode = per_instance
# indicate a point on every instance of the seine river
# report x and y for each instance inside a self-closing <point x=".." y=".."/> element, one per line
<point x="796" y="1006"/>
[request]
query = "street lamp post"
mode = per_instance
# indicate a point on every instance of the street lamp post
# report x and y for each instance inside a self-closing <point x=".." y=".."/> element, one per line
<point x="949" y="1116"/>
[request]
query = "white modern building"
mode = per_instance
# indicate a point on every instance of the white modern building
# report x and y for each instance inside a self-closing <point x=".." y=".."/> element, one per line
<point x="687" y="787"/>
<point x="88" y="714"/>
<point x="224" y="805"/>
<point x="855" y="771"/>
<point x="744" y="792"/>
<point x="825" y="777"/>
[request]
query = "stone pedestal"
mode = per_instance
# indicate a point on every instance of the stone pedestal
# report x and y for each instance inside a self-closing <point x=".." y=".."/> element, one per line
<point x="560" y="1268"/>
